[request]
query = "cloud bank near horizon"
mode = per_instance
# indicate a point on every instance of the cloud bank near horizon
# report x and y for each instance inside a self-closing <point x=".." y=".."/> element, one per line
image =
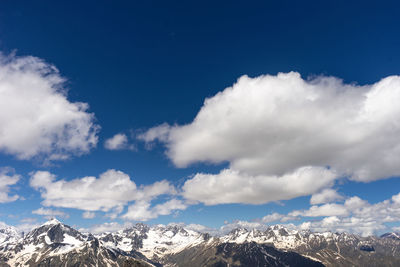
<point x="109" y="193"/>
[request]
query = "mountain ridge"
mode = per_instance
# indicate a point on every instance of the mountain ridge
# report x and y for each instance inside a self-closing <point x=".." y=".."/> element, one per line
<point x="176" y="245"/>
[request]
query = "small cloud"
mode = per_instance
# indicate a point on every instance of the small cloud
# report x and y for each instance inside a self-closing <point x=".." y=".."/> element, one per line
<point x="50" y="213"/>
<point x="88" y="215"/>
<point x="142" y="211"/>
<point x="28" y="220"/>
<point x="396" y="228"/>
<point x="7" y="179"/>
<point x="118" y="142"/>
<point x="106" y="227"/>
<point x="327" y="195"/>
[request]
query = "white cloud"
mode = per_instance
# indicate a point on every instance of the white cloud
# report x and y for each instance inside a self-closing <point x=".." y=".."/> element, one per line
<point x="201" y="228"/>
<point x="329" y="209"/>
<point x="277" y="217"/>
<point x="28" y="220"/>
<point x="355" y="215"/>
<point x="272" y="217"/>
<point x="231" y="186"/>
<point x="118" y="142"/>
<point x="141" y="210"/>
<point x="396" y="228"/>
<point x="108" y="193"/>
<point x="348" y="224"/>
<point x="26" y="227"/>
<point x="88" y="215"/>
<point x="325" y="196"/>
<point x="160" y="132"/>
<point x="114" y="212"/>
<point x="36" y="118"/>
<point x="112" y="190"/>
<point x="50" y="213"/>
<point x="273" y="125"/>
<point x="107" y="227"/>
<point x="7" y="179"/>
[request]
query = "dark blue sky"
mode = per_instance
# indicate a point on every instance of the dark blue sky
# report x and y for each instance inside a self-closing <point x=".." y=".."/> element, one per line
<point x="141" y="63"/>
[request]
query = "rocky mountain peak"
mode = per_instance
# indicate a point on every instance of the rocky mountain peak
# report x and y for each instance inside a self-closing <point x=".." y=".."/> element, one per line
<point x="53" y="231"/>
<point x="174" y="245"/>
<point x="52" y="221"/>
<point x="8" y="234"/>
<point x="393" y="235"/>
<point x="238" y="231"/>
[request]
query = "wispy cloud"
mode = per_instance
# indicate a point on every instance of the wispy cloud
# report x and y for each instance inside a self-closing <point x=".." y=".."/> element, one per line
<point x="118" y="142"/>
<point x="50" y="213"/>
<point x="7" y="179"/>
<point x="88" y="215"/>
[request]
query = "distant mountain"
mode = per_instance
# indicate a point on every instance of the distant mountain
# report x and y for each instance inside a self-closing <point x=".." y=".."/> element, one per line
<point x="177" y="245"/>
<point x="232" y="254"/>
<point x="395" y="236"/>
<point x="56" y="244"/>
<point x="8" y="234"/>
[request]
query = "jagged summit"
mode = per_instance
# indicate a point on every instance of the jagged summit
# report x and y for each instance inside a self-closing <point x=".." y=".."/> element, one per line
<point x="52" y="221"/>
<point x="392" y="235"/>
<point x="8" y="234"/>
<point x="57" y="244"/>
<point x="54" y="243"/>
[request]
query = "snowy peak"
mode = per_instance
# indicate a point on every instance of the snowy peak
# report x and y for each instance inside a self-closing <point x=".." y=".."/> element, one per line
<point x="155" y="241"/>
<point x="53" y="232"/>
<point x="274" y="233"/>
<point x="395" y="236"/>
<point x="285" y="238"/>
<point x="52" y="221"/>
<point x="56" y="244"/>
<point x="8" y="234"/>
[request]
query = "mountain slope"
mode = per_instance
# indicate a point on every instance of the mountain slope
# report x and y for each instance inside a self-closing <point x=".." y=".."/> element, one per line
<point x="56" y="244"/>
<point x="175" y="245"/>
<point x="245" y="254"/>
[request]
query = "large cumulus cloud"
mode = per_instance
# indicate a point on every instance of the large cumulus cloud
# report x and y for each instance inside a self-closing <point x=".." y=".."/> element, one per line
<point x="36" y="118"/>
<point x="275" y="125"/>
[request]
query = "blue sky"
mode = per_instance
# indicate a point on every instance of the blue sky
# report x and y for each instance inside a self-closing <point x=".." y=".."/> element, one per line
<point x="143" y="64"/>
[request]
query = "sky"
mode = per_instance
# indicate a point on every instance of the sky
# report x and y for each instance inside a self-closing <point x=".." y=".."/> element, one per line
<point x="212" y="114"/>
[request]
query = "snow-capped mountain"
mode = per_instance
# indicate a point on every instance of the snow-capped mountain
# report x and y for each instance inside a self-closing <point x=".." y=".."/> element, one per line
<point x="8" y="234"/>
<point x="395" y="236"/>
<point x="56" y="244"/>
<point x="173" y="244"/>
<point x="332" y="249"/>
<point x="154" y="242"/>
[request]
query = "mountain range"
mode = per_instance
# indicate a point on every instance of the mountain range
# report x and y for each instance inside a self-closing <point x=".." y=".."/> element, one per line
<point x="57" y="244"/>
